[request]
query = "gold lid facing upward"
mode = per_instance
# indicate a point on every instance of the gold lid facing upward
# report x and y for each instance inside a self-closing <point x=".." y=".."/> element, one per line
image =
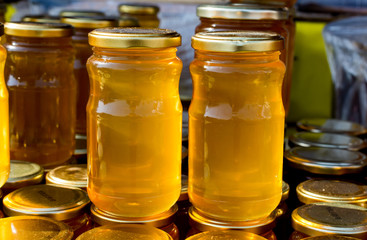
<point x="203" y="223"/>
<point x="51" y="201"/>
<point x="134" y="38"/>
<point x="79" y="13"/>
<point x="91" y="22"/>
<point x="41" y="18"/>
<point x="331" y="237"/>
<point x="242" y="12"/>
<point x="34" y="227"/>
<point x="314" y="190"/>
<point x="103" y="218"/>
<point x="326" y="160"/>
<point x="226" y="234"/>
<point x="23" y="174"/>
<point x="125" y="231"/>
<point x="237" y="41"/>
<point x="74" y="175"/>
<point x="38" y="30"/>
<point x="331" y="126"/>
<point x="330" y="218"/>
<point x="138" y="9"/>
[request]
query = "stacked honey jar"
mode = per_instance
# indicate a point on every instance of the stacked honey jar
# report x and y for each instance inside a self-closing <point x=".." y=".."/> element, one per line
<point x="114" y="83"/>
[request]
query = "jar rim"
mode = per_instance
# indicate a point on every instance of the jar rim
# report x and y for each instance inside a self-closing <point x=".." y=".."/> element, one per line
<point x="79" y="13"/>
<point x="145" y="9"/>
<point x="38" y="29"/>
<point x="90" y="22"/>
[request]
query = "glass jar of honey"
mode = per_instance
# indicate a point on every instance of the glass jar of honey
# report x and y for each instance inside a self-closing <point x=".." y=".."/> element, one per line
<point x="42" y="92"/>
<point x="263" y="227"/>
<point x="147" y="15"/>
<point x="236" y="120"/>
<point x="4" y="122"/>
<point x="23" y="174"/>
<point x="34" y="227"/>
<point x="133" y="110"/>
<point x="72" y="175"/>
<point x="125" y="231"/>
<point x="329" y="218"/>
<point x="163" y="221"/>
<point x="68" y="205"/>
<point x="252" y="17"/>
<point x="82" y="26"/>
<point x="225" y="234"/>
<point x="281" y="3"/>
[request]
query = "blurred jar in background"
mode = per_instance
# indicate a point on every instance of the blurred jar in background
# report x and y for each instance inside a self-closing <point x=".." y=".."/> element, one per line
<point x="281" y="3"/>
<point x="147" y="15"/>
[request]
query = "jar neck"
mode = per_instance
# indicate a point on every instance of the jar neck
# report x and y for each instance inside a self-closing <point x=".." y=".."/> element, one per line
<point x="239" y="57"/>
<point x="38" y="42"/>
<point x="143" y="54"/>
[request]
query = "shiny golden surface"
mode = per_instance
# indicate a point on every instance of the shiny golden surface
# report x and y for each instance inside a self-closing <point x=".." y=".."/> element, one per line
<point x="90" y="22"/>
<point x="138" y="9"/>
<point x="38" y="29"/>
<point x="79" y="13"/>
<point x="73" y="175"/>
<point x="225" y="235"/>
<point x="40" y="18"/>
<point x="23" y="174"/>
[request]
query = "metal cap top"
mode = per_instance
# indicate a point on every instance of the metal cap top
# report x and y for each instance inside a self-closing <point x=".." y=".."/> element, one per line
<point x="34" y="227"/>
<point x="74" y="175"/>
<point x="23" y="174"/>
<point x="90" y="22"/>
<point x="51" y="201"/>
<point x="134" y="38"/>
<point x="326" y="160"/>
<point x="331" y="237"/>
<point x="203" y="223"/>
<point x="330" y="218"/>
<point x="226" y="234"/>
<point x="38" y="30"/>
<point x="314" y="190"/>
<point x="79" y="13"/>
<point x="161" y="220"/>
<point x="327" y="140"/>
<point x="242" y="12"/>
<point x="138" y="9"/>
<point x="184" y="188"/>
<point x="325" y="125"/>
<point x="125" y="231"/>
<point x="41" y="18"/>
<point x="237" y="41"/>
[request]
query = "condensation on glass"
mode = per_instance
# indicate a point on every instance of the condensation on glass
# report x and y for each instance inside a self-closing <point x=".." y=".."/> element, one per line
<point x="253" y="17"/>
<point x="147" y="15"/>
<point x="236" y="120"/>
<point x="42" y="92"/>
<point x="72" y="175"/>
<point x="34" y="227"/>
<point x="68" y="205"/>
<point x="134" y="117"/>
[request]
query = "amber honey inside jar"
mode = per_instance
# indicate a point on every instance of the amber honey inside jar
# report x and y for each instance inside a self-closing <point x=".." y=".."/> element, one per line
<point x="147" y="15"/>
<point x="134" y="118"/>
<point x="252" y="17"/>
<point x="42" y="92"/>
<point x="236" y="120"/>
<point x="82" y="26"/>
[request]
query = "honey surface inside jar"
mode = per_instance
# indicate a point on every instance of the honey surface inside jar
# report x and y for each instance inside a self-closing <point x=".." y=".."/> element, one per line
<point x="134" y="117"/>
<point x="236" y="121"/>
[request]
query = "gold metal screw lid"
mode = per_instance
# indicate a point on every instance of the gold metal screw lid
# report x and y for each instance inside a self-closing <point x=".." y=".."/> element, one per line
<point x="184" y="189"/>
<point x="34" y="227"/>
<point x="38" y="30"/>
<point x="237" y="41"/>
<point x="326" y="125"/>
<point x="225" y="235"/>
<point x="330" y="218"/>
<point x="321" y="190"/>
<point x="128" y="21"/>
<point x="242" y="12"/>
<point x="52" y="201"/>
<point x="79" y="13"/>
<point x="138" y="9"/>
<point x="285" y="191"/>
<point x="125" y="231"/>
<point x="327" y="140"/>
<point x="41" y="18"/>
<point x="90" y="22"/>
<point x="203" y="223"/>
<point x="160" y="220"/>
<point x="134" y="38"/>
<point x="74" y="175"/>
<point x="23" y="174"/>
<point x="330" y="237"/>
<point x="327" y="161"/>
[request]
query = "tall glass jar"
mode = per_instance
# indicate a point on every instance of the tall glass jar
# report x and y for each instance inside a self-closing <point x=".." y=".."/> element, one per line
<point x="134" y="118"/>
<point x="147" y="15"/>
<point x="82" y="26"/>
<point x="42" y="92"/>
<point x="251" y="17"/>
<point x="4" y="121"/>
<point x="236" y="120"/>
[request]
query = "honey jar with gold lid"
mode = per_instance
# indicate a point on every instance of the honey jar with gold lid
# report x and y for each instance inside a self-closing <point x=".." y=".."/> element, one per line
<point x="225" y="234"/>
<point x="34" y="227"/>
<point x="41" y="18"/>
<point x="147" y="15"/>
<point x="72" y="175"/>
<point x="69" y="205"/>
